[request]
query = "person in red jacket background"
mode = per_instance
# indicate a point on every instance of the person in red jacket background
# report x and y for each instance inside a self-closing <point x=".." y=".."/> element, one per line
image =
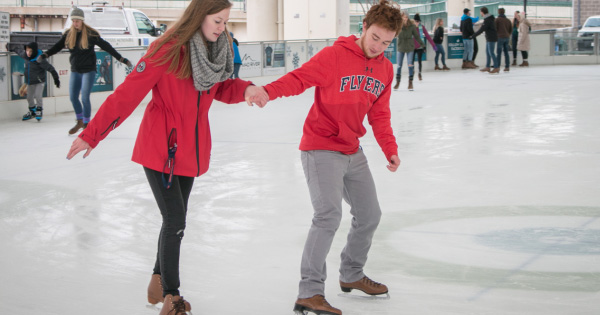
<point x="353" y="79"/>
<point x="186" y="68"/>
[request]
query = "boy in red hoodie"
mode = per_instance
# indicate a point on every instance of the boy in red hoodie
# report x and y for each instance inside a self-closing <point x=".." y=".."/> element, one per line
<point x="353" y="79"/>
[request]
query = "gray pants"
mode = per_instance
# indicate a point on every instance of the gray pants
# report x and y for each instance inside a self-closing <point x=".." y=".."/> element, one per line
<point x="35" y="92"/>
<point x="332" y="176"/>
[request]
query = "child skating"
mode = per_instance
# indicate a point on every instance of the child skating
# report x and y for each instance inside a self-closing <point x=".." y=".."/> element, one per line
<point x="35" y="78"/>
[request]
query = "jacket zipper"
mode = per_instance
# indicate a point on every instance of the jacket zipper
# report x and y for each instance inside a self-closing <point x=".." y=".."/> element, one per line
<point x="197" y="145"/>
<point x="112" y="126"/>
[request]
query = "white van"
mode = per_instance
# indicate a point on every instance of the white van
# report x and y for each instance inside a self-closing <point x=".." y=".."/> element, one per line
<point x="589" y="28"/>
<point x="121" y="27"/>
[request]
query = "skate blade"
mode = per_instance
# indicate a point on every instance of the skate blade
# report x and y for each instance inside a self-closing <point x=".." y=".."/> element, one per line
<point x="385" y="296"/>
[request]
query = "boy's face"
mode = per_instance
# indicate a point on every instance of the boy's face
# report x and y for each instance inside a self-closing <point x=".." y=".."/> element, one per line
<point x="375" y="40"/>
<point x="29" y="51"/>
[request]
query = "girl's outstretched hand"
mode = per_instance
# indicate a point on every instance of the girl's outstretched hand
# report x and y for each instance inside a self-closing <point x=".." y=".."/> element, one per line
<point x="78" y="146"/>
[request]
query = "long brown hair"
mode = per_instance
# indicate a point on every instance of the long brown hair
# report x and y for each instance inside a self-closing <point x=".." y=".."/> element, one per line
<point x="86" y="31"/>
<point x="189" y="23"/>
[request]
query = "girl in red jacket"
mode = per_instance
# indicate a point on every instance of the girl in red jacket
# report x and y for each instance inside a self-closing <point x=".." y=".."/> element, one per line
<point x="352" y="79"/>
<point x="186" y="69"/>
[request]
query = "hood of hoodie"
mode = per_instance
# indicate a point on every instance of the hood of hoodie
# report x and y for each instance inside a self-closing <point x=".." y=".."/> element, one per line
<point x="350" y="44"/>
<point x="464" y="17"/>
<point x="34" y="47"/>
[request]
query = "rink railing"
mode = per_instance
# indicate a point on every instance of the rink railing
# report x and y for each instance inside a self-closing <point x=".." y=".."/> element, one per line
<point x="264" y="59"/>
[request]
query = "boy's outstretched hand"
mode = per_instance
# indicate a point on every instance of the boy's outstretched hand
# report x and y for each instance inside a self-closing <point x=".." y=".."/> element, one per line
<point x="394" y="163"/>
<point x="78" y="146"/>
<point x="257" y="95"/>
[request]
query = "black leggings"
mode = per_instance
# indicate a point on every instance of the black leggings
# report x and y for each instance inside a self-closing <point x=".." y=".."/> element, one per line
<point x="515" y="40"/>
<point x="419" y="55"/>
<point x="173" y="204"/>
<point x="525" y="54"/>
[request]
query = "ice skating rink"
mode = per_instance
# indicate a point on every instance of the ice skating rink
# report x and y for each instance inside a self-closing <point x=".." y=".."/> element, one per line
<point x="494" y="210"/>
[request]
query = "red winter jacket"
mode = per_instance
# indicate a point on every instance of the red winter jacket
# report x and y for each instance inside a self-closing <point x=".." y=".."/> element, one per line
<point x="175" y="106"/>
<point x="348" y="87"/>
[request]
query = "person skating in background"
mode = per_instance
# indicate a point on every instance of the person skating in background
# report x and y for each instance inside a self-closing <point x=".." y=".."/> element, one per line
<point x="352" y="79"/>
<point x="35" y="78"/>
<point x="515" y="36"/>
<point x="237" y="60"/>
<point x="438" y="39"/>
<point x="504" y="28"/>
<point x="186" y="68"/>
<point x="491" y="38"/>
<point x="466" y="29"/>
<point x="406" y="47"/>
<point x="81" y="39"/>
<point x="524" y="44"/>
<point x="420" y="49"/>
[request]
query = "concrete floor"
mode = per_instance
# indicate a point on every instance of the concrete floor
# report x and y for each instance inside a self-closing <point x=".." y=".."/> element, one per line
<point x="494" y="210"/>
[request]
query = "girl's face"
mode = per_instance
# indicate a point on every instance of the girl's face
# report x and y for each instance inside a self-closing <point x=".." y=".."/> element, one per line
<point x="29" y="51"/>
<point x="77" y="24"/>
<point x="214" y="24"/>
<point x="404" y="18"/>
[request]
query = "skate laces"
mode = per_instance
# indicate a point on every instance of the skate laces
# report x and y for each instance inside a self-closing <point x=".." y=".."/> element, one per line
<point x="370" y="282"/>
<point x="178" y="307"/>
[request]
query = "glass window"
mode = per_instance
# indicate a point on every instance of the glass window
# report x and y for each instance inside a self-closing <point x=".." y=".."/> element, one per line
<point x="593" y="22"/>
<point x="143" y="24"/>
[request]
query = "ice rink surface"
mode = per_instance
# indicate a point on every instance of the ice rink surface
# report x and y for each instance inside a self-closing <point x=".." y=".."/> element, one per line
<point x="495" y="208"/>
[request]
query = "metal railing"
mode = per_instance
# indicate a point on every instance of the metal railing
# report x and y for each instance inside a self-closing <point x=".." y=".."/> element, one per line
<point x="138" y="4"/>
<point x="571" y="43"/>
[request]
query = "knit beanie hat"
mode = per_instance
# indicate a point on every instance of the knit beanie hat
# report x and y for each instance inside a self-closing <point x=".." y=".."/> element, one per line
<point x="77" y="14"/>
<point x="417" y="17"/>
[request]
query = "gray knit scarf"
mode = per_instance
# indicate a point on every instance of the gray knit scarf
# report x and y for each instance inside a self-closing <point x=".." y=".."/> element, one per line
<point x="210" y="64"/>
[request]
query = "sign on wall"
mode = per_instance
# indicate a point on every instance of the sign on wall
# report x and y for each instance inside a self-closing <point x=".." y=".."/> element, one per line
<point x="251" y="60"/>
<point x="315" y="46"/>
<point x="455" y="47"/>
<point x="4" y="28"/>
<point x="121" y="70"/>
<point x="4" y="77"/>
<point x="104" y="74"/>
<point x="295" y="55"/>
<point x="274" y="58"/>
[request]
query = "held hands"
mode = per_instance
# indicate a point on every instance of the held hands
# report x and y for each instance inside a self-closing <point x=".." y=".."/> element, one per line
<point x="78" y="146"/>
<point x="394" y="163"/>
<point x="257" y="95"/>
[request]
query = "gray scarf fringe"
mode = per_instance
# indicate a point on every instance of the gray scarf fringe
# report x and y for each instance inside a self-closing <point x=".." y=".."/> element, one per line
<point x="210" y="68"/>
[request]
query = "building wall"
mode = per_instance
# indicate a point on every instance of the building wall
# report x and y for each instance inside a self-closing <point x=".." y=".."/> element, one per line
<point x="582" y="9"/>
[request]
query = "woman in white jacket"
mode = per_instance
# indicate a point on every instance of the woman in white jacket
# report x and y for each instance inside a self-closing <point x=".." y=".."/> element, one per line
<point x="523" y="44"/>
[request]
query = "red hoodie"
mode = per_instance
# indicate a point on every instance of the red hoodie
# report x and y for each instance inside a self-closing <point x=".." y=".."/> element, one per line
<point x="348" y="87"/>
<point x="176" y="106"/>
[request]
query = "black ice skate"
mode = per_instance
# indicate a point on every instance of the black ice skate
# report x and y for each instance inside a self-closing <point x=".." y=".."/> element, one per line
<point x="30" y="114"/>
<point x="39" y="113"/>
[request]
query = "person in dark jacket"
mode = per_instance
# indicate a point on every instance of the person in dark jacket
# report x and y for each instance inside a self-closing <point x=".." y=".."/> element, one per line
<point x="491" y="37"/>
<point x="420" y="49"/>
<point x="438" y="39"/>
<point x="186" y="69"/>
<point x="504" y="28"/>
<point x="466" y="28"/>
<point x="515" y="36"/>
<point x="80" y="39"/>
<point x="35" y="78"/>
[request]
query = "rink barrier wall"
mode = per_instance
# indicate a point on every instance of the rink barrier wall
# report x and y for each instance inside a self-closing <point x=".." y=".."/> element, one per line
<point x="262" y="61"/>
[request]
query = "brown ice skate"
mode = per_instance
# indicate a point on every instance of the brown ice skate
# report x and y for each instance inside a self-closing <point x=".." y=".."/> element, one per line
<point x="316" y="304"/>
<point x="366" y="285"/>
